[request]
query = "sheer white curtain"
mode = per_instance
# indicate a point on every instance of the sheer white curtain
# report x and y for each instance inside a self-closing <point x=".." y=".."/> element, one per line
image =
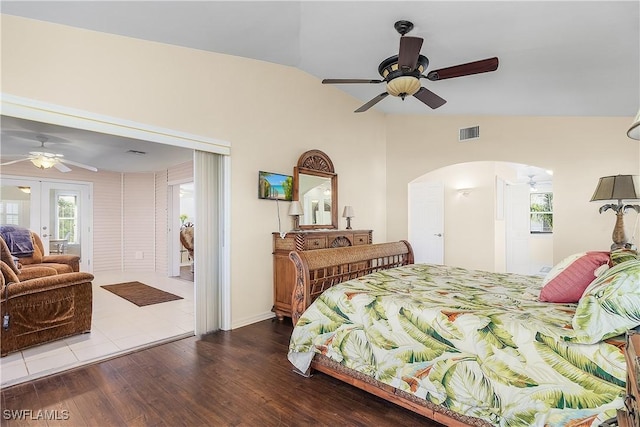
<point x="208" y="174"/>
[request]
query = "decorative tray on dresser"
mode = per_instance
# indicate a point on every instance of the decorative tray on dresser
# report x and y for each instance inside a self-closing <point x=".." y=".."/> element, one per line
<point x="306" y="240"/>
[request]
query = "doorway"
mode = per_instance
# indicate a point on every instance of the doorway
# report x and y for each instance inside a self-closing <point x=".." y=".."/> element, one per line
<point x="212" y="165"/>
<point x="210" y="306"/>
<point x="487" y="217"/>
<point x="181" y="214"/>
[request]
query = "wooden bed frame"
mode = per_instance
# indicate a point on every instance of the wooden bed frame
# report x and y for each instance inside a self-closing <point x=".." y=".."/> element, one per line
<point x="323" y="268"/>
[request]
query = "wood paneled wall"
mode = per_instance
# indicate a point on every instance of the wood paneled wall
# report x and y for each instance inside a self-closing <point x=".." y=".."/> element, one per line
<point x="139" y="221"/>
<point x="130" y="213"/>
<point x="107" y="221"/>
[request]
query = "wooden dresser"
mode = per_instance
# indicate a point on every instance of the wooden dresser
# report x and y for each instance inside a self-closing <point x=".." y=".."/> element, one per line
<point x="307" y="240"/>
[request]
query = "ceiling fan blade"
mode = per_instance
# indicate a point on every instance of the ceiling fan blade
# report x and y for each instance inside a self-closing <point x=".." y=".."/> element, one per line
<point x="80" y="165"/>
<point x="429" y="98"/>
<point x="13" y="161"/>
<point x="476" y="67"/>
<point x="409" y="51"/>
<point x="341" y="81"/>
<point x="61" y="167"/>
<point x="371" y="103"/>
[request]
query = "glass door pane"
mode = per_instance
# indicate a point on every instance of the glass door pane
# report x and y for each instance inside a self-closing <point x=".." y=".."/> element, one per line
<point x="15" y="206"/>
<point x="65" y="220"/>
<point x="19" y="203"/>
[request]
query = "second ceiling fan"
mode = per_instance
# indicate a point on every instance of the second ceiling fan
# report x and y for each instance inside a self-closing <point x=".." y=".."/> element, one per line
<point x="402" y="72"/>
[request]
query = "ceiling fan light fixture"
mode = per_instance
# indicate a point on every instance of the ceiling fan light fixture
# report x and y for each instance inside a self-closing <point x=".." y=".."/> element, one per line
<point x="43" y="160"/>
<point x="403" y="86"/>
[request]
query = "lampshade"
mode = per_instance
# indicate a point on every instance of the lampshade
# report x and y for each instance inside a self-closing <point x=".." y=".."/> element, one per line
<point x="295" y="208"/>
<point x="348" y="212"/>
<point x="403" y="86"/>
<point x="634" y="130"/>
<point x="617" y="187"/>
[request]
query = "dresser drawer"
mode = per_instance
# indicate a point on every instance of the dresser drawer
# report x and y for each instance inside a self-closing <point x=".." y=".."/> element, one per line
<point x="312" y="243"/>
<point x="361" y="239"/>
<point x="287" y="244"/>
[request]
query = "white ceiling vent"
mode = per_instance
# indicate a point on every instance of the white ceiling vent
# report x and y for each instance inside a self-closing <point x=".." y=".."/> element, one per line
<point x="469" y="133"/>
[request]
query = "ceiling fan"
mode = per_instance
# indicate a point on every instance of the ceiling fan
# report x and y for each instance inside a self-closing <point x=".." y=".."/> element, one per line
<point x="45" y="160"/>
<point x="402" y="72"/>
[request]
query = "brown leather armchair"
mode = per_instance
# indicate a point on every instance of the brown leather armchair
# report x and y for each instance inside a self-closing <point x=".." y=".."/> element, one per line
<point x="43" y="309"/>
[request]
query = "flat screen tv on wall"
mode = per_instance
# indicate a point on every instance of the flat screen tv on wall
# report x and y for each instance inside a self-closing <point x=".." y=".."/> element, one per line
<point x="275" y="186"/>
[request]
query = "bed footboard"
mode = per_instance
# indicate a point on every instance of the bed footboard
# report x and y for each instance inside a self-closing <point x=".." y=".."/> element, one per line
<point x="321" y="269"/>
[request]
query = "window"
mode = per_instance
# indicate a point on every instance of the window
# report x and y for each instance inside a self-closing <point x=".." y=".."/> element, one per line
<point x="541" y="213"/>
<point x="10" y="212"/>
<point x="66" y="217"/>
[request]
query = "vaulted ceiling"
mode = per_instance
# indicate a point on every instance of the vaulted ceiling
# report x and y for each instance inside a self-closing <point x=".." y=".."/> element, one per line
<point x="557" y="58"/>
<point x="571" y="58"/>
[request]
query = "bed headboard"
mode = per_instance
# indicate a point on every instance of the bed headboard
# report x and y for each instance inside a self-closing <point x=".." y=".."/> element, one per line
<point x="323" y="268"/>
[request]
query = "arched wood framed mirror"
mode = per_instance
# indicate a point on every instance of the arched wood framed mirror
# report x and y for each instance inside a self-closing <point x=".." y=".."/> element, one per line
<point x="315" y="186"/>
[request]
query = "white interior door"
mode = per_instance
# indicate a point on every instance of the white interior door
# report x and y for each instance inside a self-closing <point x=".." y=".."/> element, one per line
<point x="426" y="221"/>
<point x="517" y="228"/>
<point x="60" y="212"/>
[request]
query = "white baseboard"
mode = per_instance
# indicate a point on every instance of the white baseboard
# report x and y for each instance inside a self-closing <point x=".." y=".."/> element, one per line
<point x="253" y="319"/>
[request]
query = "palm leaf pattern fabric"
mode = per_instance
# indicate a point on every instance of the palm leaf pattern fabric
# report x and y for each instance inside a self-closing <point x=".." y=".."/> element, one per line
<point x="476" y="342"/>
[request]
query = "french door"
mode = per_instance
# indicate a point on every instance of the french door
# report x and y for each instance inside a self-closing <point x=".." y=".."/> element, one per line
<point x="59" y="211"/>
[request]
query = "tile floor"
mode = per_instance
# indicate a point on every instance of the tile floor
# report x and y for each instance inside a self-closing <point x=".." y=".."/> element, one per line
<point x="118" y="327"/>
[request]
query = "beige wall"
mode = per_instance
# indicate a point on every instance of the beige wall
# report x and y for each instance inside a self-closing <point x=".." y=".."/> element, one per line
<point x="271" y="114"/>
<point x="578" y="149"/>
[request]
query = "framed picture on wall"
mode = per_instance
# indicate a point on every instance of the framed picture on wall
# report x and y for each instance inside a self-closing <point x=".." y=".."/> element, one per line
<point x="275" y="186"/>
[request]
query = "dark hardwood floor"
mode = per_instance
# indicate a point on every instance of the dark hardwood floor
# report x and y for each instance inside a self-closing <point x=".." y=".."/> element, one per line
<point x="236" y="378"/>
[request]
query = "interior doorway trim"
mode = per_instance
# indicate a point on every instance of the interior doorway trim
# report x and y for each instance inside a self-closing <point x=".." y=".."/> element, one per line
<point x="30" y="109"/>
<point x="39" y="111"/>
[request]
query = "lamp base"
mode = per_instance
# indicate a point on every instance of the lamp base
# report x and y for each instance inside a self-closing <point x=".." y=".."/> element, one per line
<point x="348" y="223"/>
<point x="619" y="237"/>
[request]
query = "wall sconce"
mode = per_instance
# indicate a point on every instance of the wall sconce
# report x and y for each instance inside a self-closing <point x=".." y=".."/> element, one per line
<point x="295" y="210"/>
<point x="634" y="130"/>
<point x="348" y="213"/>
<point x="464" y="191"/>
<point x="619" y="187"/>
<point x="26" y="190"/>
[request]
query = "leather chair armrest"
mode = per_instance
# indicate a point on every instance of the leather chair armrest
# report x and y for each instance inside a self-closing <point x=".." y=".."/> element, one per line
<point x="72" y="261"/>
<point x="61" y="259"/>
<point x="47" y="283"/>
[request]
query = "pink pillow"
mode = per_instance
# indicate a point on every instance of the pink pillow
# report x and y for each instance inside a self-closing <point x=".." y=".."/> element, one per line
<point x="568" y="279"/>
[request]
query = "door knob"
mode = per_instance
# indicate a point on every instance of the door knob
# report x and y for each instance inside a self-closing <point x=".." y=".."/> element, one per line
<point x="44" y="235"/>
<point x="438" y="234"/>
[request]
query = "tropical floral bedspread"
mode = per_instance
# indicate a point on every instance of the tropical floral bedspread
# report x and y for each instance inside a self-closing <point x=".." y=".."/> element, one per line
<point x="476" y="342"/>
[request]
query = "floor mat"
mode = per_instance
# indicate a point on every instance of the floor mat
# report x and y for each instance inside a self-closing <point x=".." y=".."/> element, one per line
<point x="140" y="294"/>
